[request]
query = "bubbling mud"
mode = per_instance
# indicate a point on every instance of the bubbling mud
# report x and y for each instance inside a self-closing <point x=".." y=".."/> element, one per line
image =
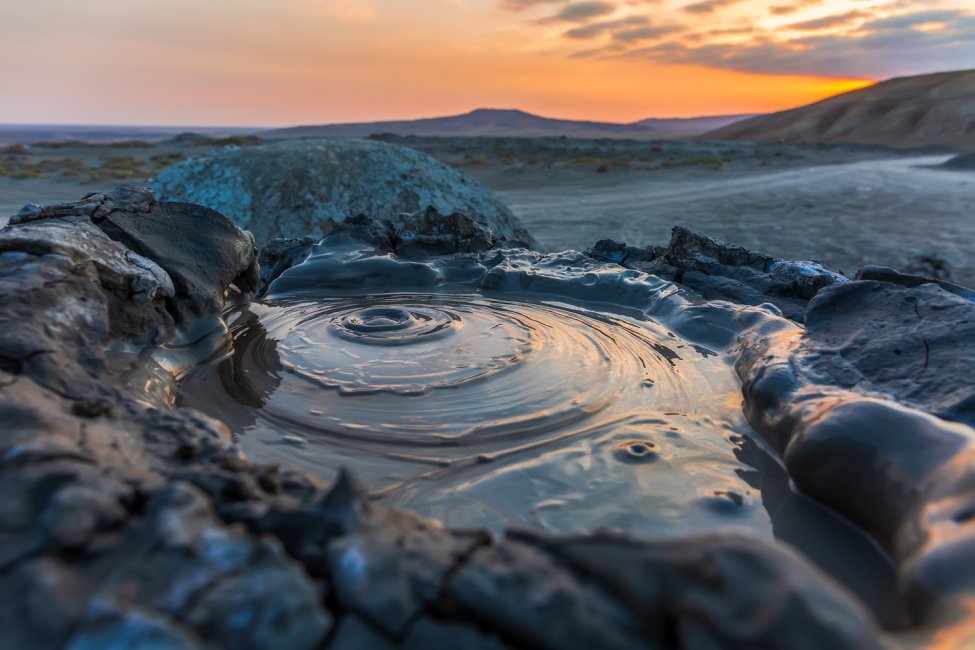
<point x="488" y="412"/>
<point x="496" y="410"/>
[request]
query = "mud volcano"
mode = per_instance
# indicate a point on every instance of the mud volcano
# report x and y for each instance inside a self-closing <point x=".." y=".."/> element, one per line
<point x="685" y="446"/>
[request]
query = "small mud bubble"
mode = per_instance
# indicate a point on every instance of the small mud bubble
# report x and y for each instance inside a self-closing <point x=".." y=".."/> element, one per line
<point x="637" y="451"/>
<point x="964" y="516"/>
<point x="724" y="502"/>
<point x="293" y="440"/>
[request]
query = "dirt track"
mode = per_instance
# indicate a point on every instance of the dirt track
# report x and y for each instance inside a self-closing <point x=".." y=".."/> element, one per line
<point x="876" y="211"/>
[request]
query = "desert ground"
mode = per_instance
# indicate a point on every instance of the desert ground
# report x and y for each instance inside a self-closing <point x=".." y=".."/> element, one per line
<point x="844" y="205"/>
<point x="877" y="211"/>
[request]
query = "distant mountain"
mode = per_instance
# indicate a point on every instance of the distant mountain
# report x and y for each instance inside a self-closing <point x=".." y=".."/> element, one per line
<point x="33" y="133"/>
<point x="507" y="123"/>
<point x="687" y="127"/>
<point x="926" y="110"/>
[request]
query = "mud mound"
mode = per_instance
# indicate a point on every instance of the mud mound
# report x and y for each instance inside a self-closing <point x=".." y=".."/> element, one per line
<point x="297" y="188"/>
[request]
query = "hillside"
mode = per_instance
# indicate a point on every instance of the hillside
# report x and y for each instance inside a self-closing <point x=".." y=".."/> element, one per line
<point x="688" y="127"/>
<point x="509" y="123"/>
<point x="926" y="110"/>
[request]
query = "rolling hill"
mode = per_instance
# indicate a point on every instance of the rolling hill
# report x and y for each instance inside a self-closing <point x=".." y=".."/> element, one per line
<point x="920" y="111"/>
<point x="511" y="123"/>
<point x="687" y="127"/>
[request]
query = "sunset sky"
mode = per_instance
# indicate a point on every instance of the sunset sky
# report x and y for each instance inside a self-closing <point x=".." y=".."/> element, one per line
<point x="284" y="62"/>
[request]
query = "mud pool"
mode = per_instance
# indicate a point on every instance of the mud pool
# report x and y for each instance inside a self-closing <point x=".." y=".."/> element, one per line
<point x="484" y="411"/>
<point x="489" y="412"/>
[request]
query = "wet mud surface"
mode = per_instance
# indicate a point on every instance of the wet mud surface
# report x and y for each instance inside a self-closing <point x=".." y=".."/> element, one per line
<point x="487" y="411"/>
<point x="518" y="390"/>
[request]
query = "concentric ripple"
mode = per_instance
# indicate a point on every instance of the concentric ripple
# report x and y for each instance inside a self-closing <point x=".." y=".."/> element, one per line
<point x="448" y="346"/>
<point x="481" y="411"/>
<point x="395" y="325"/>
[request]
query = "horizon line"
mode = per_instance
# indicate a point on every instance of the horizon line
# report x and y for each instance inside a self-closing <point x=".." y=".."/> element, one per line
<point x="342" y="123"/>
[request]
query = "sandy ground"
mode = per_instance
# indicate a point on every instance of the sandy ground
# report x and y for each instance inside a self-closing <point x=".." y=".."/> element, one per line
<point x="846" y="206"/>
<point x="847" y="215"/>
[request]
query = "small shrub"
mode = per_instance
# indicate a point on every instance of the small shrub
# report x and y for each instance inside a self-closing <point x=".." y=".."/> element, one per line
<point x="165" y="160"/>
<point x="59" y="144"/>
<point x="238" y="140"/>
<point x="127" y="144"/>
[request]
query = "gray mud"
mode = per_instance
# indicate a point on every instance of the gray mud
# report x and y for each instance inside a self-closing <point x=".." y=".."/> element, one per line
<point x="484" y="410"/>
<point x="509" y="389"/>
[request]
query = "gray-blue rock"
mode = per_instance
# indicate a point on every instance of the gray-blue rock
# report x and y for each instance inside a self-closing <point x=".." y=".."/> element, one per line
<point x="298" y="188"/>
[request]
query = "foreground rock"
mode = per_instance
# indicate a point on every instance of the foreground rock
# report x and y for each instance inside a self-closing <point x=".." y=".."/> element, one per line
<point x="872" y="409"/>
<point x="299" y="188"/>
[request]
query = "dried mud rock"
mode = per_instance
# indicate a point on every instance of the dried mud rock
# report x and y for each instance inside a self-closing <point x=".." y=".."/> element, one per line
<point x="418" y="235"/>
<point x="132" y="525"/>
<point x="872" y="408"/>
<point x="720" y="271"/>
<point x="103" y="543"/>
<point x="870" y="405"/>
<point x="298" y="188"/>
